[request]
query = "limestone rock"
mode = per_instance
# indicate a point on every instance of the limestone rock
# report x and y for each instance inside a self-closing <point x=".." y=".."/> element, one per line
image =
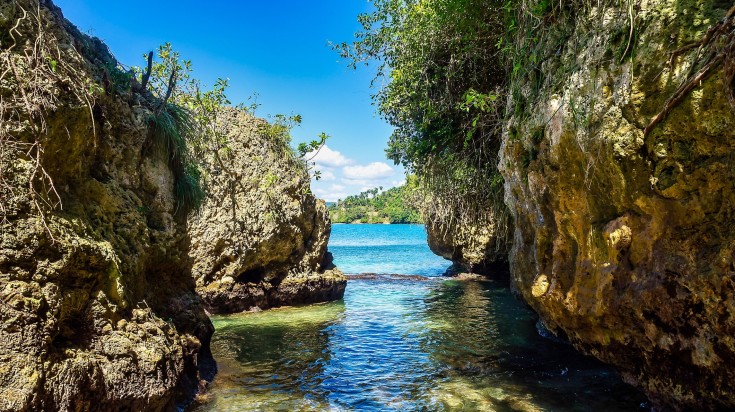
<point x="260" y="239"/>
<point x="471" y="245"/>
<point x="625" y="242"/>
<point x="97" y="307"/>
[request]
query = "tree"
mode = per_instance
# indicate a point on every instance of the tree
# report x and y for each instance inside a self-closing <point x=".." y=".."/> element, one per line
<point x="444" y="82"/>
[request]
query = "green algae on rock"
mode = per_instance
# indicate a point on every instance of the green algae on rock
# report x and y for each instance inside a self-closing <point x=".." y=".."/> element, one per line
<point x="99" y="306"/>
<point x="617" y="160"/>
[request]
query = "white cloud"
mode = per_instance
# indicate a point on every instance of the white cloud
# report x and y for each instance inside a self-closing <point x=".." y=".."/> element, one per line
<point x="372" y="171"/>
<point x="326" y="175"/>
<point x="328" y="158"/>
<point x="336" y="187"/>
<point x="332" y="193"/>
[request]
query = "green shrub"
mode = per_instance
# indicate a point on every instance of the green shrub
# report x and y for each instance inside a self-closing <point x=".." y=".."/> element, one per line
<point x="188" y="188"/>
<point x="171" y="129"/>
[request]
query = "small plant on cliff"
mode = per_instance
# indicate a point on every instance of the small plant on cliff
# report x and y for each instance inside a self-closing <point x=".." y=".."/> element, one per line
<point x="279" y="132"/>
<point x="307" y="151"/>
<point x="187" y="125"/>
<point x="173" y="126"/>
<point x="188" y="187"/>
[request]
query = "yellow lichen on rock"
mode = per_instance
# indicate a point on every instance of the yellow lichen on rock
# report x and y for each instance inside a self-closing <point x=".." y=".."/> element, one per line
<point x="540" y="286"/>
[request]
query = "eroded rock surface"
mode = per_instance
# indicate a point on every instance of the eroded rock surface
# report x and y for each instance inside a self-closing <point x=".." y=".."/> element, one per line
<point x="625" y="242"/>
<point x="471" y="245"/>
<point x="260" y="240"/>
<point x="97" y="305"/>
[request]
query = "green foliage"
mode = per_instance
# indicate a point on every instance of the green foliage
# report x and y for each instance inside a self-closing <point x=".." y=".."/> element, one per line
<point x="395" y="205"/>
<point x="444" y="87"/>
<point x="446" y="79"/>
<point x="314" y="146"/>
<point x="279" y="130"/>
<point x="186" y="127"/>
<point x="188" y="187"/>
<point x="537" y="135"/>
<point x="171" y="129"/>
<point x="305" y="148"/>
<point x="119" y="80"/>
<point x="196" y="107"/>
<point x="177" y="124"/>
<point x="170" y="64"/>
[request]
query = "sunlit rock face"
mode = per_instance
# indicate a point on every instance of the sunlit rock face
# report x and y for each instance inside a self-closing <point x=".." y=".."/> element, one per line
<point x="260" y="239"/>
<point x="97" y="307"/>
<point x="624" y="241"/>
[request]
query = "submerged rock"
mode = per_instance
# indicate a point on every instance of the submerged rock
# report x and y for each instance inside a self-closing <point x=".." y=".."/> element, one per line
<point x="624" y="241"/>
<point x="97" y="305"/>
<point x="260" y="239"/>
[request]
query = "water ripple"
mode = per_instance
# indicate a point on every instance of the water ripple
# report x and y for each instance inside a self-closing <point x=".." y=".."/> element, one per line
<point x="406" y="344"/>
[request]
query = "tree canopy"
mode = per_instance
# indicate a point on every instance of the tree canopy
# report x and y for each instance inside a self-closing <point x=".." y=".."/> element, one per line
<point x="377" y="206"/>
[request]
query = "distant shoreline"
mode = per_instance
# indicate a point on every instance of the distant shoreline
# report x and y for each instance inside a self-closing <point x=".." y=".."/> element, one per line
<point x="375" y="223"/>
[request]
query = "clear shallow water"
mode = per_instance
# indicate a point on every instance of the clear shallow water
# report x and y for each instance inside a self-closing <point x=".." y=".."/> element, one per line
<point x="403" y="344"/>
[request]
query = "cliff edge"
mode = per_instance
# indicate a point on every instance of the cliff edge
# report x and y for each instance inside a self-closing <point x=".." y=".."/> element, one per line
<point x="260" y="238"/>
<point x="97" y="304"/>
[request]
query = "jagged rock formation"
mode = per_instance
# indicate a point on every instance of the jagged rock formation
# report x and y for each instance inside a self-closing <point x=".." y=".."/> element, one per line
<point x="624" y="241"/>
<point x="471" y="245"/>
<point x="260" y="240"/>
<point x="98" y="302"/>
<point x="97" y="305"/>
<point x="472" y="232"/>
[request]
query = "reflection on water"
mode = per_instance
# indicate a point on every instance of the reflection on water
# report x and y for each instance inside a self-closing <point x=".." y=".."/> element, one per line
<point x="273" y="360"/>
<point x="403" y="344"/>
<point x="495" y="359"/>
<point x="406" y="345"/>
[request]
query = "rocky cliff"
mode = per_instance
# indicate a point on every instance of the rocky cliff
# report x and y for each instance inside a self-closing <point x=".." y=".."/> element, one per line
<point x="624" y="239"/>
<point x="260" y="240"/>
<point x="471" y="230"/>
<point x="101" y="253"/>
<point x="97" y="304"/>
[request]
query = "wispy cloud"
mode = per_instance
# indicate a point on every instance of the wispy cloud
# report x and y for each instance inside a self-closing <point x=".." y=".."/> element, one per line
<point x="342" y="176"/>
<point x="328" y="157"/>
<point x="372" y="171"/>
<point x="331" y="193"/>
<point x="327" y="175"/>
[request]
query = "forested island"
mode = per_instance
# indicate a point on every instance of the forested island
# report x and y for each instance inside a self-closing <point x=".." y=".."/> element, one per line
<point x="395" y="205"/>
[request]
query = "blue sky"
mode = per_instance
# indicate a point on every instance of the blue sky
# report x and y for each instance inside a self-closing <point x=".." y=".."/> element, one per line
<point x="277" y="49"/>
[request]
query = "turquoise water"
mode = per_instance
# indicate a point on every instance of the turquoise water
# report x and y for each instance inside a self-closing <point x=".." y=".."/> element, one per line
<point x="402" y="344"/>
<point x="398" y="249"/>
